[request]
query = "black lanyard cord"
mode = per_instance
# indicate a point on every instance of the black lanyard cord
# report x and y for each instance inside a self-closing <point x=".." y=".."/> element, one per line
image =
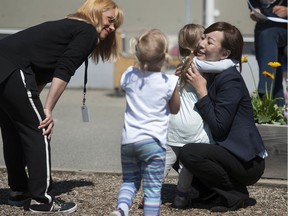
<point x="85" y="81"/>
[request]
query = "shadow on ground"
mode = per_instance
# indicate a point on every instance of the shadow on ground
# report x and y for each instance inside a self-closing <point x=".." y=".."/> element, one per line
<point x="59" y="187"/>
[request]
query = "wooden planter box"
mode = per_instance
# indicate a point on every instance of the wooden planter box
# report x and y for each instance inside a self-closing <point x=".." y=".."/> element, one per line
<point x="275" y="141"/>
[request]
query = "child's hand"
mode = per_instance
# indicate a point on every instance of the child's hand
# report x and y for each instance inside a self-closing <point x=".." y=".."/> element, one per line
<point x="178" y="70"/>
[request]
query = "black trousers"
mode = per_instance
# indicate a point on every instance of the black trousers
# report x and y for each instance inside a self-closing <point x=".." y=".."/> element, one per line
<point x="220" y="171"/>
<point x="23" y="143"/>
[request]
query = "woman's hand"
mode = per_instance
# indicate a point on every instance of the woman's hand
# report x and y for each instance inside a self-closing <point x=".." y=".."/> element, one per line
<point x="47" y="124"/>
<point x="280" y="11"/>
<point x="197" y="81"/>
<point x="56" y="89"/>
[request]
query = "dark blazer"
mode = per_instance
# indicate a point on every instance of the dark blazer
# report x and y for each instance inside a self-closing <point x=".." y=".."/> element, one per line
<point x="228" y="111"/>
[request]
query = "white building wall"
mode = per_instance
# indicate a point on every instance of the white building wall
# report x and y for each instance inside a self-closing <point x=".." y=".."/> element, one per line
<point x="167" y="15"/>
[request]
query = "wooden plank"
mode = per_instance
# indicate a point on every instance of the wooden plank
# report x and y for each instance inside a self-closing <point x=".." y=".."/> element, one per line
<point x="275" y="141"/>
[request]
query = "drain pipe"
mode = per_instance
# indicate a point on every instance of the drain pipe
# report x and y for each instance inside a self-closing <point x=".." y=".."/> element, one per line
<point x="210" y="12"/>
<point x="188" y="16"/>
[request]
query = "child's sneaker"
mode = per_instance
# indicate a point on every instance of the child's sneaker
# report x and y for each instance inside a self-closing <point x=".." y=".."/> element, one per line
<point x="18" y="198"/>
<point x="56" y="206"/>
<point x="118" y="212"/>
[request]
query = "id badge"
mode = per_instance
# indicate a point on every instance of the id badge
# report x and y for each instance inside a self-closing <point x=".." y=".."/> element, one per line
<point x="85" y="116"/>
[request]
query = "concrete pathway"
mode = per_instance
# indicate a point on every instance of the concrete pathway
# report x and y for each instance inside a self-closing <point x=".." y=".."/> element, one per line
<point x="78" y="145"/>
<point x="95" y="146"/>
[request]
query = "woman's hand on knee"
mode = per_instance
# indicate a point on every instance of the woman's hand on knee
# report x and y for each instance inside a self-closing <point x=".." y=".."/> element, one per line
<point x="47" y="124"/>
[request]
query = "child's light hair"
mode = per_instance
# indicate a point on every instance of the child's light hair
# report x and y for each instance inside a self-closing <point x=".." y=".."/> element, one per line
<point x="150" y="50"/>
<point x="188" y="39"/>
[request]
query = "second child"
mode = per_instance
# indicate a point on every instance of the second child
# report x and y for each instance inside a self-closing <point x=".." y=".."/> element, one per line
<point x="150" y="97"/>
<point x="187" y="126"/>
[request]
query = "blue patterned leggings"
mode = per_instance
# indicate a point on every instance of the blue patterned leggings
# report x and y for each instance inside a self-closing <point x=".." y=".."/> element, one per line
<point x="144" y="160"/>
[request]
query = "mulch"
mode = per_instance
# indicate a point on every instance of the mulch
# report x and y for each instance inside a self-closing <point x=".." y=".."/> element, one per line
<point x="96" y="193"/>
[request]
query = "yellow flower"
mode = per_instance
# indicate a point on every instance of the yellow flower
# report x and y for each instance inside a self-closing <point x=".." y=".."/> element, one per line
<point x="245" y="58"/>
<point x="268" y="74"/>
<point x="274" y="64"/>
<point x="265" y="109"/>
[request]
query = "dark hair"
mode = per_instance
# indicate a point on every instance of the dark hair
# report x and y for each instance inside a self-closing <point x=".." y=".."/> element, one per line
<point x="232" y="41"/>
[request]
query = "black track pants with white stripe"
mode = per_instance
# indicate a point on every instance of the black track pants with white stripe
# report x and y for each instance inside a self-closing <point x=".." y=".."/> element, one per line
<point x="23" y="143"/>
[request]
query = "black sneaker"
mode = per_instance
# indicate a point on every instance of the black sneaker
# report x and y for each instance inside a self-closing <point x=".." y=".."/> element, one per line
<point x="18" y="198"/>
<point x="56" y="206"/>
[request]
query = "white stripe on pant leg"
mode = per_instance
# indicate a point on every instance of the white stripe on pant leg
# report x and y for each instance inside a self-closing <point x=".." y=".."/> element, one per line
<point x="45" y="137"/>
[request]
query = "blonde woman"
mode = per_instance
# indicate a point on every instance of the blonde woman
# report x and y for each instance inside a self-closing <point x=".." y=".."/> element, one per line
<point x="48" y="52"/>
<point x="151" y="96"/>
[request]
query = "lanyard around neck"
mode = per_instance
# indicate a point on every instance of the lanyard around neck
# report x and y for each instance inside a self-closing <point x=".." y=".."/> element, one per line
<point x="85" y="81"/>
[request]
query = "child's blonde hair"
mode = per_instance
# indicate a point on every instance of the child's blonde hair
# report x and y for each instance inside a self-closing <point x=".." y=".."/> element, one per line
<point x="150" y="50"/>
<point x="188" y="39"/>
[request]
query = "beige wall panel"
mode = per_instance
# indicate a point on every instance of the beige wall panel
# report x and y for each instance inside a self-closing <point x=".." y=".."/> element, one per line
<point x="237" y="13"/>
<point x="25" y="13"/>
<point x="168" y="15"/>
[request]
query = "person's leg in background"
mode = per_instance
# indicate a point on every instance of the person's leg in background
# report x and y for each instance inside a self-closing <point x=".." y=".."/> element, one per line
<point x="267" y="44"/>
<point x="279" y="86"/>
<point x="183" y="194"/>
<point x="284" y="71"/>
<point x="171" y="158"/>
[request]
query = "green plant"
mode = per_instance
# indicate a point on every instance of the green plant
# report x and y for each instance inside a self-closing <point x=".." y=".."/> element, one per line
<point x="265" y="109"/>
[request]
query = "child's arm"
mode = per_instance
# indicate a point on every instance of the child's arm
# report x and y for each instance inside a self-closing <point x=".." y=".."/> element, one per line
<point x="174" y="103"/>
<point x="213" y="66"/>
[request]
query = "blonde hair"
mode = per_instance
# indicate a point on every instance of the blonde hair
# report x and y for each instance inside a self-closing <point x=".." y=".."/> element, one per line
<point x="91" y="11"/>
<point x="150" y="50"/>
<point x="188" y="39"/>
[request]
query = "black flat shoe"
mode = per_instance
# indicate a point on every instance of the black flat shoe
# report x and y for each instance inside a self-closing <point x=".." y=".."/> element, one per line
<point x="236" y="206"/>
